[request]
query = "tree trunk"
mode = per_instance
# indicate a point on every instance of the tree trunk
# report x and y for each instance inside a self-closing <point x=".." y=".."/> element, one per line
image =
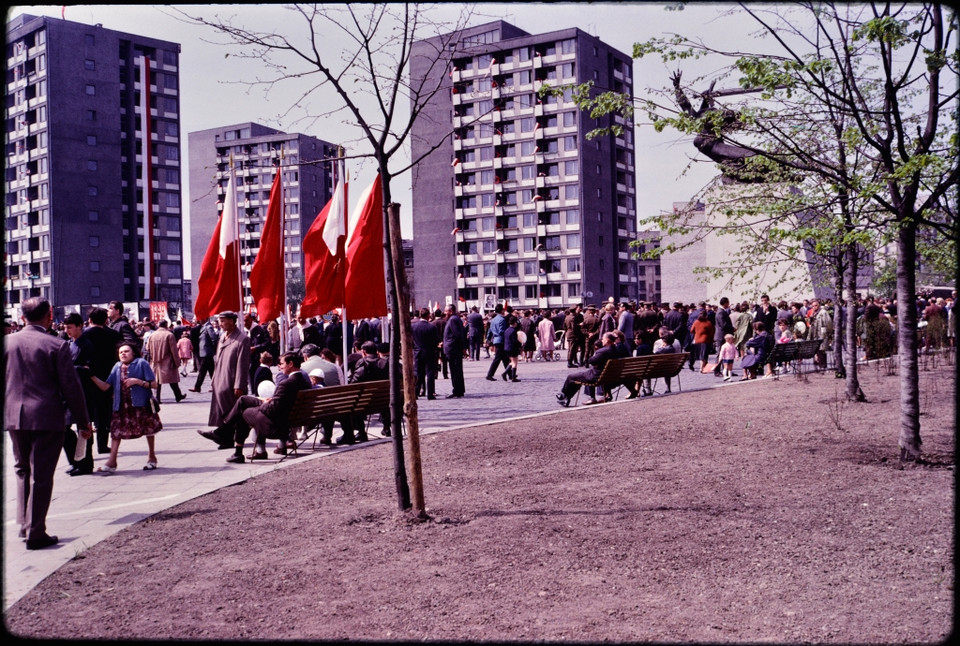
<point x="854" y="393"/>
<point x="907" y="341"/>
<point x="396" y="376"/>
<point x="402" y="316"/>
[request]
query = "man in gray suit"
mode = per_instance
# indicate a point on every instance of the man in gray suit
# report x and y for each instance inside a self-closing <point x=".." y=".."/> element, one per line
<point x="40" y="377"/>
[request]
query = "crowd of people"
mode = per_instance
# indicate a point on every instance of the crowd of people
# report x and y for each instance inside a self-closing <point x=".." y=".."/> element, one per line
<point x="100" y="379"/>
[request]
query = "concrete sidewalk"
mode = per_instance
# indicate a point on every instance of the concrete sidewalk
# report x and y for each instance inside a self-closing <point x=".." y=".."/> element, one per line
<point x="87" y="509"/>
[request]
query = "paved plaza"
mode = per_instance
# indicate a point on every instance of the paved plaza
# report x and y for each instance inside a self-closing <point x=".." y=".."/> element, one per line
<point x="87" y="509"/>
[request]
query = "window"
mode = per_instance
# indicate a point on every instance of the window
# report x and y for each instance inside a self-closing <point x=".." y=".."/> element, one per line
<point x="93" y="216"/>
<point x="573" y="216"/>
<point x="569" y="143"/>
<point x="573" y="241"/>
<point x="95" y="291"/>
<point x="91" y="140"/>
<point x="570" y="167"/>
<point x="528" y="171"/>
<point x="91" y="115"/>
<point x="94" y="241"/>
<point x="90" y="90"/>
<point x="94" y="265"/>
<point x="573" y="265"/>
<point x="527" y="124"/>
<point x="569" y="119"/>
<point x="89" y="64"/>
<point x="489" y="270"/>
<point x="572" y="192"/>
<point x="92" y="191"/>
<point x="91" y="164"/>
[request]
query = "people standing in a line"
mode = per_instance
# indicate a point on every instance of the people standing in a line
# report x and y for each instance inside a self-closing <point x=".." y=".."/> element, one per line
<point x="475" y="332"/>
<point x="231" y="371"/>
<point x="98" y="354"/>
<point x="453" y="348"/>
<point x="73" y="326"/>
<point x="132" y="381"/>
<point x="41" y="385"/>
<point x="162" y="348"/>
<point x="425" y="342"/>
<point x="495" y="338"/>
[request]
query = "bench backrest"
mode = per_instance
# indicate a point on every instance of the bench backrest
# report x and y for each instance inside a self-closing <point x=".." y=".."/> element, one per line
<point x="318" y="404"/>
<point x="784" y="352"/>
<point x="649" y="366"/>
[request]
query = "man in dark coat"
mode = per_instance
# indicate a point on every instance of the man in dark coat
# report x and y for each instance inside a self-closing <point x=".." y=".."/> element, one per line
<point x="267" y="417"/>
<point x="41" y="384"/>
<point x="475" y="332"/>
<point x="425" y="342"/>
<point x="98" y="354"/>
<point x="370" y="367"/>
<point x="453" y="347"/>
<point x="595" y="365"/>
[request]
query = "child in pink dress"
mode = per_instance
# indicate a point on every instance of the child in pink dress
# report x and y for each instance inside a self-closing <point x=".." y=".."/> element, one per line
<point x="728" y="352"/>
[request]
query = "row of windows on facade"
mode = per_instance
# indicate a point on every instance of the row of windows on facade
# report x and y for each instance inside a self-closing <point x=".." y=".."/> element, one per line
<point x="511" y="293"/>
<point x="532" y="219"/>
<point x="536" y="269"/>
<point x="508" y="81"/>
<point x="517" y="54"/>
<point x="571" y="168"/>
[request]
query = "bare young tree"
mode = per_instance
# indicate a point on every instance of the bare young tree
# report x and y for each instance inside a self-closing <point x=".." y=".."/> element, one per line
<point x="366" y="82"/>
<point x="878" y="82"/>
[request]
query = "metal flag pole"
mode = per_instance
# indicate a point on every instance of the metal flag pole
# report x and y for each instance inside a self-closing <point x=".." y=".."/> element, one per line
<point x="284" y="314"/>
<point x="346" y="220"/>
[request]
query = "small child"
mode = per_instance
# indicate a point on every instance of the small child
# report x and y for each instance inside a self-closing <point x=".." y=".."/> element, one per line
<point x="728" y="352"/>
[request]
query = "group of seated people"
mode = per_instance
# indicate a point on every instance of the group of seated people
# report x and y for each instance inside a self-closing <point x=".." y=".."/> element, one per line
<point x="759" y="347"/>
<point x="268" y="414"/>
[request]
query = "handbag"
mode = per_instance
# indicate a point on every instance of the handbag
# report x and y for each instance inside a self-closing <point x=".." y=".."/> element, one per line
<point x="153" y="405"/>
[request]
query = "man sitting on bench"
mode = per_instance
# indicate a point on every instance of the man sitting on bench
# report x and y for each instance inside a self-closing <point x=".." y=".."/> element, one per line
<point x="267" y="417"/>
<point x="595" y="365"/>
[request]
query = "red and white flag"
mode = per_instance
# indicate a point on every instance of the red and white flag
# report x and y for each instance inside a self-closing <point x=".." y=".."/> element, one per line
<point x="365" y="289"/>
<point x="218" y="287"/>
<point x="324" y="266"/>
<point x="267" y="283"/>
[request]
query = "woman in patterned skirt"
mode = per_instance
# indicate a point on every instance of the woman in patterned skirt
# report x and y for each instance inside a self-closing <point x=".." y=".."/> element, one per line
<point x="132" y="380"/>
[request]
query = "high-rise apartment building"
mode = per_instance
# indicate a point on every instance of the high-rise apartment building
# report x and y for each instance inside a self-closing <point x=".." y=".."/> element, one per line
<point x="92" y="179"/>
<point x="255" y="151"/>
<point x="516" y="204"/>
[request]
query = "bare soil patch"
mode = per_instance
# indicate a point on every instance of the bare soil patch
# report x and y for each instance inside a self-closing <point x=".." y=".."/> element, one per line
<point x="763" y="512"/>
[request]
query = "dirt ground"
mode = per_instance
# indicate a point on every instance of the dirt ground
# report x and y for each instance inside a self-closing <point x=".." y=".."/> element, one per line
<point x="764" y="512"/>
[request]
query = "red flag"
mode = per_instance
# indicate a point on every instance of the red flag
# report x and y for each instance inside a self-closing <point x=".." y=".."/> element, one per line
<point x="218" y="287"/>
<point x="365" y="290"/>
<point x="267" y="282"/>
<point x="324" y="266"/>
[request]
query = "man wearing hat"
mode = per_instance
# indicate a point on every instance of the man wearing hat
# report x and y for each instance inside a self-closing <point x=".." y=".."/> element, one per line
<point x="231" y="369"/>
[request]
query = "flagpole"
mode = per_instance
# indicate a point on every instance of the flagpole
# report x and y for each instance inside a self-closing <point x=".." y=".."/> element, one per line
<point x="284" y="315"/>
<point x="343" y="261"/>
<point x="236" y="235"/>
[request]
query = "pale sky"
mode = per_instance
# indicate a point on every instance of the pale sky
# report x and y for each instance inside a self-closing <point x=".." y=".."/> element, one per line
<point x="212" y="95"/>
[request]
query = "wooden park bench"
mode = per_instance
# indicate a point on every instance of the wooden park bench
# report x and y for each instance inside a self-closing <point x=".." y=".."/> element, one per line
<point x="312" y="408"/>
<point x="792" y="353"/>
<point x="617" y="372"/>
